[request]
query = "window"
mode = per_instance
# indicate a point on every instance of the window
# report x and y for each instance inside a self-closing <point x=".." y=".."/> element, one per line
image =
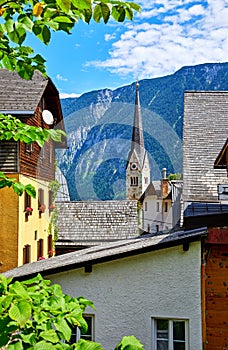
<point x="28" y="147"/>
<point x="27" y="203"/>
<point x="146" y="180"/>
<point x="41" y="205"/>
<point x="43" y="151"/>
<point x="145" y="206"/>
<point x="76" y="334"/>
<point x="26" y="254"/>
<point x="157" y="206"/>
<point x="170" y="334"/>
<point x="40" y="248"/>
<point x="166" y="207"/>
<point x="134" y="180"/>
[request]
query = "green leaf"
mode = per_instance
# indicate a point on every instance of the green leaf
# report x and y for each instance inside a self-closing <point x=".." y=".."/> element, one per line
<point x="64" y="5"/>
<point x="20" y="312"/>
<point x="43" y="345"/>
<point x="87" y="345"/>
<point x="18" y="188"/>
<point x="134" y="6"/>
<point x="7" y="62"/>
<point x="19" y="289"/>
<point x="129" y="343"/>
<point x="62" y="19"/>
<point x="62" y="327"/>
<point x="15" y="346"/>
<point x="50" y="335"/>
<point x="42" y="32"/>
<point x="30" y="190"/>
<point x="39" y="58"/>
<point x="85" y="302"/>
<point x="97" y="13"/>
<point x="26" y="21"/>
<point x="129" y="13"/>
<point x="82" y="4"/>
<point x="105" y="12"/>
<point x="18" y="34"/>
<point x="9" y="25"/>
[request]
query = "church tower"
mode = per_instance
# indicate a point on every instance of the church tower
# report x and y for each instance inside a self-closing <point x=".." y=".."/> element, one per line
<point x="138" y="168"/>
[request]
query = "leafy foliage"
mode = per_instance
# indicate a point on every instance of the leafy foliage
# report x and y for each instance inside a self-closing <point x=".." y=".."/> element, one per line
<point x="41" y="18"/>
<point x="18" y="187"/>
<point x="13" y="128"/>
<point x="129" y="343"/>
<point x="37" y="315"/>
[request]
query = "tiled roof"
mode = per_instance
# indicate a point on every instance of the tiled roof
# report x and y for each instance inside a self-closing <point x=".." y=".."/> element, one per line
<point x="107" y="252"/>
<point x="20" y="94"/>
<point x="205" y="132"/>
<point x="96" y="222"/>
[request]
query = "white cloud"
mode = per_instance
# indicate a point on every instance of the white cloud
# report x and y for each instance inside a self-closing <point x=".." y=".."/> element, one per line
<point x="59" y="77"/>
<point x="109" y="37"/>
<point x="67" y="95"/>
<point x="167" y="35"/>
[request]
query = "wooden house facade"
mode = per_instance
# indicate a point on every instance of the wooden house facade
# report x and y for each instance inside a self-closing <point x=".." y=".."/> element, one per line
<point x="24" y="231"/>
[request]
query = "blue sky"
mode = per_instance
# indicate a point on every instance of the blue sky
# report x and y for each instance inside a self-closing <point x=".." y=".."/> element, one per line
<point x="165" y="36"/>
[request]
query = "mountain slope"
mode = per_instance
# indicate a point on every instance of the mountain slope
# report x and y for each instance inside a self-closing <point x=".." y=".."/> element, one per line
<point x="99" y="126"/>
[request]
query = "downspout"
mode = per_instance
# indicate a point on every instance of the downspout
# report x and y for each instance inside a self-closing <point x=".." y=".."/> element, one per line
<point x="203" y="298"/>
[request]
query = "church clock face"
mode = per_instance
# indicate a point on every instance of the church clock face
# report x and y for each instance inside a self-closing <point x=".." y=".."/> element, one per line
<point x="133" y="166"/>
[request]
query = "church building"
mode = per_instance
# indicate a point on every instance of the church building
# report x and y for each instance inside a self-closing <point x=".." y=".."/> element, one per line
<point x="138" y="168"/>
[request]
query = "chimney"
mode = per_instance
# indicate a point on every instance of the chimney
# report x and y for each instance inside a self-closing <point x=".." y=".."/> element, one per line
<point x="164" y="173"/>
<point x="164" y="184"/>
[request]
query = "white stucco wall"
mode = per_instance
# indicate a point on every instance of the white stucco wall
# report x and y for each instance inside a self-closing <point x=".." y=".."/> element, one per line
<point x="128" y="292"/>
<point x="154" y="218"/>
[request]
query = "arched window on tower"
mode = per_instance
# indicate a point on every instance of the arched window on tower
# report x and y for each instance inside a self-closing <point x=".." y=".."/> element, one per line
<point x="134" y="180"/>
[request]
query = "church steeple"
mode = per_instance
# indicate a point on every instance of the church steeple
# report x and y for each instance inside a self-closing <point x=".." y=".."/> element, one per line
<point x="138" y="170"/>
<point x="137" y="134"/>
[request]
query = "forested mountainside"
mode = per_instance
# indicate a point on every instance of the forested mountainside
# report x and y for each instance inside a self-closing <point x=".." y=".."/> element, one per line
<point x="99" y="127"/>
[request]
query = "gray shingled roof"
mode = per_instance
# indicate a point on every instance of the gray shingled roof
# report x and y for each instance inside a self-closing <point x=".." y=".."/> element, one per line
<point x="205" y="132"/>
<point x="94" y="222"/>
<point x="107" y="252"/>
<point x="17" y="94"/>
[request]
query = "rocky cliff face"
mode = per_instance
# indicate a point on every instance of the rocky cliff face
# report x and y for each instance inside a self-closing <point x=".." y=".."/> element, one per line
<point x="99" y="126"/>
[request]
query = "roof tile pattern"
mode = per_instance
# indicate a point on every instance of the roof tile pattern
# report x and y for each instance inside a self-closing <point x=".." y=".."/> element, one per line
<point x="17" y="94"/>
<point x="205" y="132"/>
<point x="94" y="222"/>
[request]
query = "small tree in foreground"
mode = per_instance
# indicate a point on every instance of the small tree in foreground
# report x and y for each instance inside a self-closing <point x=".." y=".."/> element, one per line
<point x="37" y="315"/>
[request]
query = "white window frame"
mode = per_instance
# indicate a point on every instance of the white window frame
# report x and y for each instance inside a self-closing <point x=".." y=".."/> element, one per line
<point x="170" y="332"/>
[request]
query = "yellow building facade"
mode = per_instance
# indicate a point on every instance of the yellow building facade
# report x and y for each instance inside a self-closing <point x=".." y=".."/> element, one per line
<point x="25" y="222"/>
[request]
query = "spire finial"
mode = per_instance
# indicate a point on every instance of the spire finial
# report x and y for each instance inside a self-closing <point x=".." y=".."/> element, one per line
<point x="137" y="84"/>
